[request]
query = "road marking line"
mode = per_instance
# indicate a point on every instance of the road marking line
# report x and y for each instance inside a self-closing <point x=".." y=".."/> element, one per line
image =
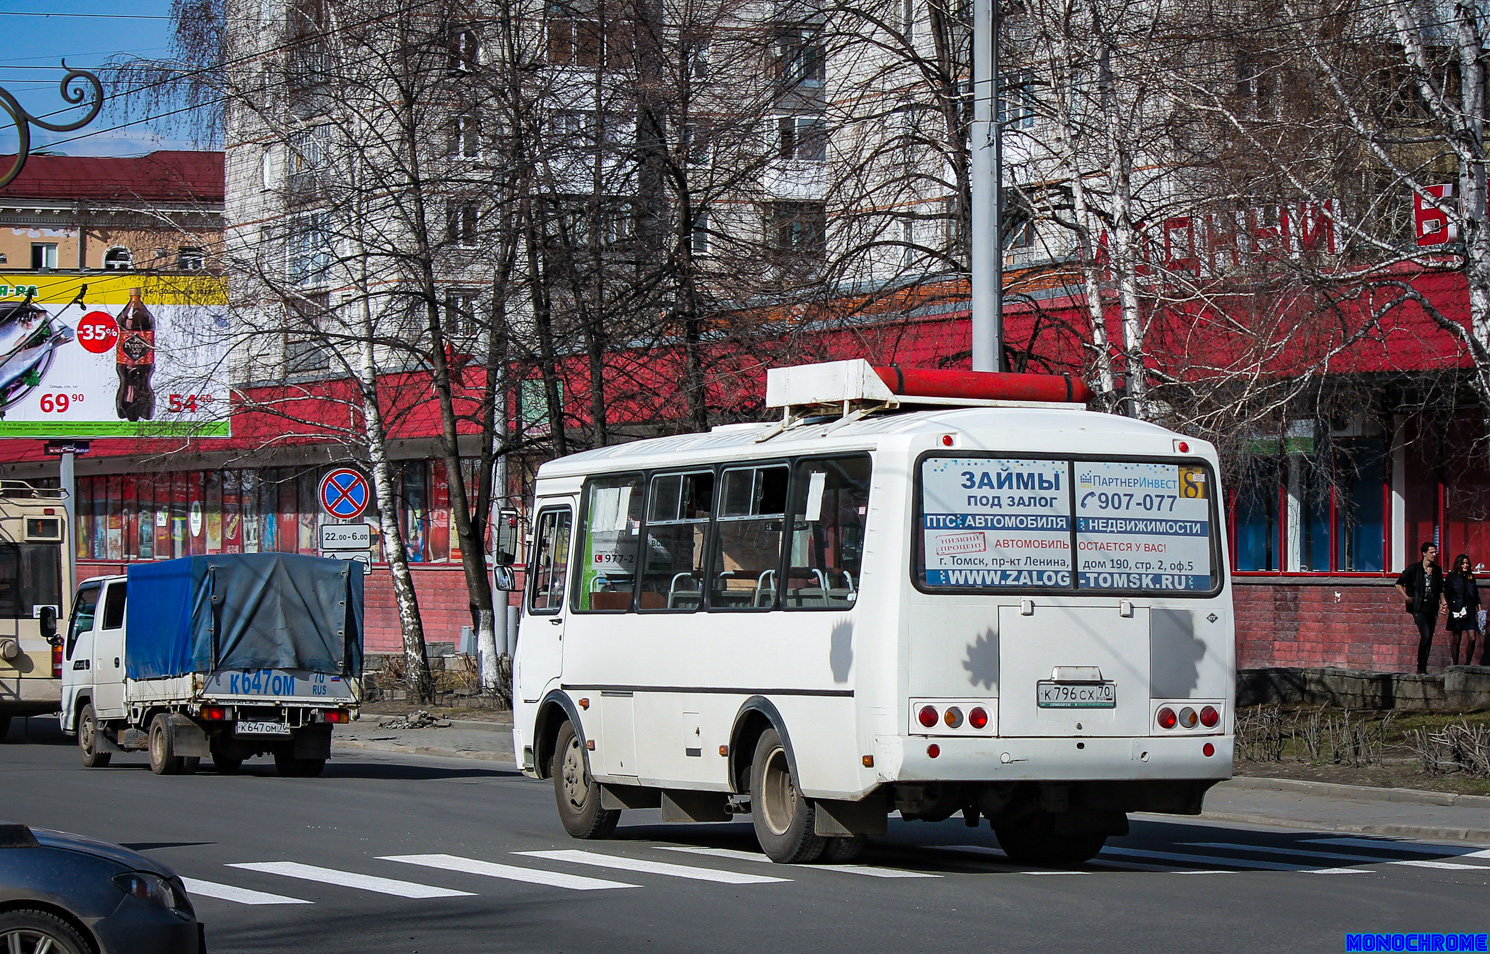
<point x="349" y="879"/>
<point x="1163" y="869"/>
<point x="1212" y="860"/>
<point x="553" y="879"/>
<point x="1416" y="848"/>
<point x="227" y="892"/>
<point x="737" y="855"/>
<point x="1451" y="865"/>
<point x="649" y="867"/>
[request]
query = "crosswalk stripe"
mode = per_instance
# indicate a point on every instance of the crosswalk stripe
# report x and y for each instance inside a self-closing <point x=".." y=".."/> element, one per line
<point x="1212" y="860"/>
<point x="227" y="892"/>
<point x="553" y="879"/>
<point x="736" y="855"/>
<point x="1338" y="856"/>
<point x="1416" y="848"/>
<point x="349" y="879"/>
<point x="650" y="867"/>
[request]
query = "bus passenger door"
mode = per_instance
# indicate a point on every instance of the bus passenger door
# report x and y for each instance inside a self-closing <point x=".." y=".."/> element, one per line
<point x="108" y="654"/>
<point x="540" y="640"/>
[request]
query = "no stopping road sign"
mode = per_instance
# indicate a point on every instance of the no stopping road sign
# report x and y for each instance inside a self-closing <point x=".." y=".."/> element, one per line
<point x="345" y="493"/>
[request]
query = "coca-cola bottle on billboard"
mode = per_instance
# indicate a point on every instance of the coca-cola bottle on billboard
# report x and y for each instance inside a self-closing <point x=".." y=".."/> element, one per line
<point x="134" y="356"/>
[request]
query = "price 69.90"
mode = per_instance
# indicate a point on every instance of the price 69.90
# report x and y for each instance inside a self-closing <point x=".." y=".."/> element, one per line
<point x="59" y="403"/>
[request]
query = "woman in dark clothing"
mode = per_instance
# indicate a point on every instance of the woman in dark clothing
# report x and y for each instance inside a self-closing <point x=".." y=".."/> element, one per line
<point x="1463" y="597"/>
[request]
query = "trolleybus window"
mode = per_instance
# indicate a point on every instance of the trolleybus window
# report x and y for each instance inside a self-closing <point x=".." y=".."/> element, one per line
<point x="608" y="545"/>
<point x="678" y="508"/>
<point x="747" y="538"/>
<point x="550" y="560"/>
<point x="30" y="576"/>
<point x="830" y="505"/>
<point x="992" y="523"/>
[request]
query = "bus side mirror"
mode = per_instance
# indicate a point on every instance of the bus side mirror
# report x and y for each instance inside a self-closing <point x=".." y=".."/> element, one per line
<point x="508" y="524"/>
<point x="503" y="579"/>
<point x="48" y="619"/>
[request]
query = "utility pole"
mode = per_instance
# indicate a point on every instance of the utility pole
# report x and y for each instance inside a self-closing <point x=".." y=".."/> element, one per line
<point x="985" y="171"/>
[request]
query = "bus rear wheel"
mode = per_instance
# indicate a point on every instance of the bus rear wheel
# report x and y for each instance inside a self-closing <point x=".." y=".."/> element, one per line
<point x="1033" y="840"/>
<point x="785" y="819"/>
<point x="576" y="792"/>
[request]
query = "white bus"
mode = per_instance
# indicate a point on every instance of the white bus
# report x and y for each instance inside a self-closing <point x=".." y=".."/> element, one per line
<point x="1006" y="609"/>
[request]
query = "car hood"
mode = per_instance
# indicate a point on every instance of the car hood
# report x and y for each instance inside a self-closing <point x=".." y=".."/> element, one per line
<point x="132" y="860"/>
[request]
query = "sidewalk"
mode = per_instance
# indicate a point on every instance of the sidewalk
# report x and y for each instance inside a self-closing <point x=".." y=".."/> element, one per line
<point x="1400" y="813"/>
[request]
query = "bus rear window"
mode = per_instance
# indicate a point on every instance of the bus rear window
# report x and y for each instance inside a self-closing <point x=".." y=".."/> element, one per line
<point x="30" y="576"/>
<point x="999" y="524"/>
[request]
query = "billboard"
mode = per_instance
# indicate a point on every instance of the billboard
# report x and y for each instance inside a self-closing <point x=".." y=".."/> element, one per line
<point x="113" y="355"/>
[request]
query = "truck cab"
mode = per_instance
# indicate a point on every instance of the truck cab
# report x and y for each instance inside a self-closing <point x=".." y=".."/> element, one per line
<point x="93" y="652"/>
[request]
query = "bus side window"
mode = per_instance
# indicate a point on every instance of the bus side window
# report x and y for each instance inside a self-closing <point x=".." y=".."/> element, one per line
<point x="678" y="509"/>
<point x="747" y="538"/>
<point x="830" y="505"/>
<point x="608" y="544"/>
<point x="550" y="561"/>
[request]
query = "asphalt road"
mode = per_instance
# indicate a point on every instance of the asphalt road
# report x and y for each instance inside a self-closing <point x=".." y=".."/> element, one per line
<point x="394" y="853"/>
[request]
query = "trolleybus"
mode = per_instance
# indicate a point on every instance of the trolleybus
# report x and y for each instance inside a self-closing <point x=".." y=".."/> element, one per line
<point x="931" y="593"/>
<point x="35" y="573"/>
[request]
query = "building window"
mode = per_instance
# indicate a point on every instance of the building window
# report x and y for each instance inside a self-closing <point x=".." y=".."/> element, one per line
<point x="43" y="255"/>
<point x="581" y="34"/>
<point x="1017" y="104"/>
<point x="465" y="137"/>
<point x="695" y="145"/>
<point x="797" y="228"/>
<point x="696" y="59"/>
<point x="802" y="137"/>
<point x="1311" y="502"/>
<point x="698" y="237"/>
<point x="306" y="350"/>
<point x="464" y="47"/>
<point x="309" y="248"/>
<point x="309" y="154"/>
<point x="460" y="312"/>
<point x="190" y="259"/>
<point x="798" y="57"/>
<point x="460" y="223"/>
<point x="908" y="20"/>
<point x="118" y="259"/>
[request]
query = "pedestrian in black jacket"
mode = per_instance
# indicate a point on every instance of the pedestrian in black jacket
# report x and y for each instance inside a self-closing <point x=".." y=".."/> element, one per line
<point x="1463" y="599"/>
<point x="1421" y="585"/>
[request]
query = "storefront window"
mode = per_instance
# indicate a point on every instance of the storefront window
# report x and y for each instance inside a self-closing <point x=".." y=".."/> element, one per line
<point x="415" y="500"/>
<point x="213" y="516"/>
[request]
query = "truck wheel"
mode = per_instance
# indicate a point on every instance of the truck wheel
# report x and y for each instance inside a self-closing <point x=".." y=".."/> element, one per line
<point x="163" y="757"/>
<point x="285" y="762"/>
<point x="1032" y="840"/>
<point x="576" y="792"/>
<point x="842" y="851"/>
<point x="784" y="818"/>
<point x="88" y="739"/>
<point x="224" y="763"/>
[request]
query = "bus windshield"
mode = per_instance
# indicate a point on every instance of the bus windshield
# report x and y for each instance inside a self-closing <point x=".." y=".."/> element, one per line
<point x="1038" y="524"/>
<point x="30" y="576"/>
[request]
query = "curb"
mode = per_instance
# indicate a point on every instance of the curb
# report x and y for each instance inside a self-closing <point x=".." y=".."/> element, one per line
<point x="1411" y="796"/>
<point x="1430" y="832"/>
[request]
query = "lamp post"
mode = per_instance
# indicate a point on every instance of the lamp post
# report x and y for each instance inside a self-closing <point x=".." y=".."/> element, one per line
<point x="23" y="121"/>
<point x="984" y="172"/>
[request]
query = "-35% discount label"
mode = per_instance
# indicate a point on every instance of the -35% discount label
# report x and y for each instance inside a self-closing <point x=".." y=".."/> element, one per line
<point x="98" y="332"/>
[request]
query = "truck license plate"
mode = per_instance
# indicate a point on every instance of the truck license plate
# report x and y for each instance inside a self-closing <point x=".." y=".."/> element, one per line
<point x="1075" y="695"/>
<point x="261" y="728"/>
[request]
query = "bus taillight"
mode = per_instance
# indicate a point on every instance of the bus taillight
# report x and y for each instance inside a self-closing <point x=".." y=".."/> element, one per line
<point x="57" y="661"/>
<point x="928" y="716"/>
<point x="1209" y="717"/>
<point x="1167" y="718"/>
<point x="978" y="718"/>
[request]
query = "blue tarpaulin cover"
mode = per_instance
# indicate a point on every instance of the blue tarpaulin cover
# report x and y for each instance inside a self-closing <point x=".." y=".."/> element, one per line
<point x="243" y="611"/>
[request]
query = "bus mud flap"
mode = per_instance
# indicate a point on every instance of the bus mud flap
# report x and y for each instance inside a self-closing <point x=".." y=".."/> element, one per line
<point x="614" y="797"/>
<point x="840" y="819"/>
<point x="187" y="738"/>
<point x="681" y="806"/>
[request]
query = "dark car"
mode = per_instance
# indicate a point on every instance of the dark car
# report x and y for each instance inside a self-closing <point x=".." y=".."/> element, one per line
<point x="65" y="894"/>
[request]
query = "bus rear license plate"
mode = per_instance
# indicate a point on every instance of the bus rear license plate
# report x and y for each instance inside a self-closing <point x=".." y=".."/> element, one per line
<point x="261" y="728"/>
<point x="1075" y="695"/>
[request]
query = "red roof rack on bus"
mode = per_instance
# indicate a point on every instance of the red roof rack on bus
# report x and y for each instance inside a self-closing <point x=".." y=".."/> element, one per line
<point x="855" y="388"/>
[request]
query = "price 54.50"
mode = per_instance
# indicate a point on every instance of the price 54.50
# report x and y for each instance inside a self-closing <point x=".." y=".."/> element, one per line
<point x="179" y="403"/>
<point x="59" y="403"/>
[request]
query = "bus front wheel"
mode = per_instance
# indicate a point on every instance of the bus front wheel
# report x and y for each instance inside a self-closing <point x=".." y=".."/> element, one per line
<point x="784" y="818"/>
<point x="1033" y="840"/>
<point x="576" y="792"/>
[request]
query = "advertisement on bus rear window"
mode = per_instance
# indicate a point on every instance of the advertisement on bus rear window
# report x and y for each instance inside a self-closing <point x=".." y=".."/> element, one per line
<point x="1018" y="524"/>
<point x="996" y="522"/>
<point x="1142" y="526"/>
